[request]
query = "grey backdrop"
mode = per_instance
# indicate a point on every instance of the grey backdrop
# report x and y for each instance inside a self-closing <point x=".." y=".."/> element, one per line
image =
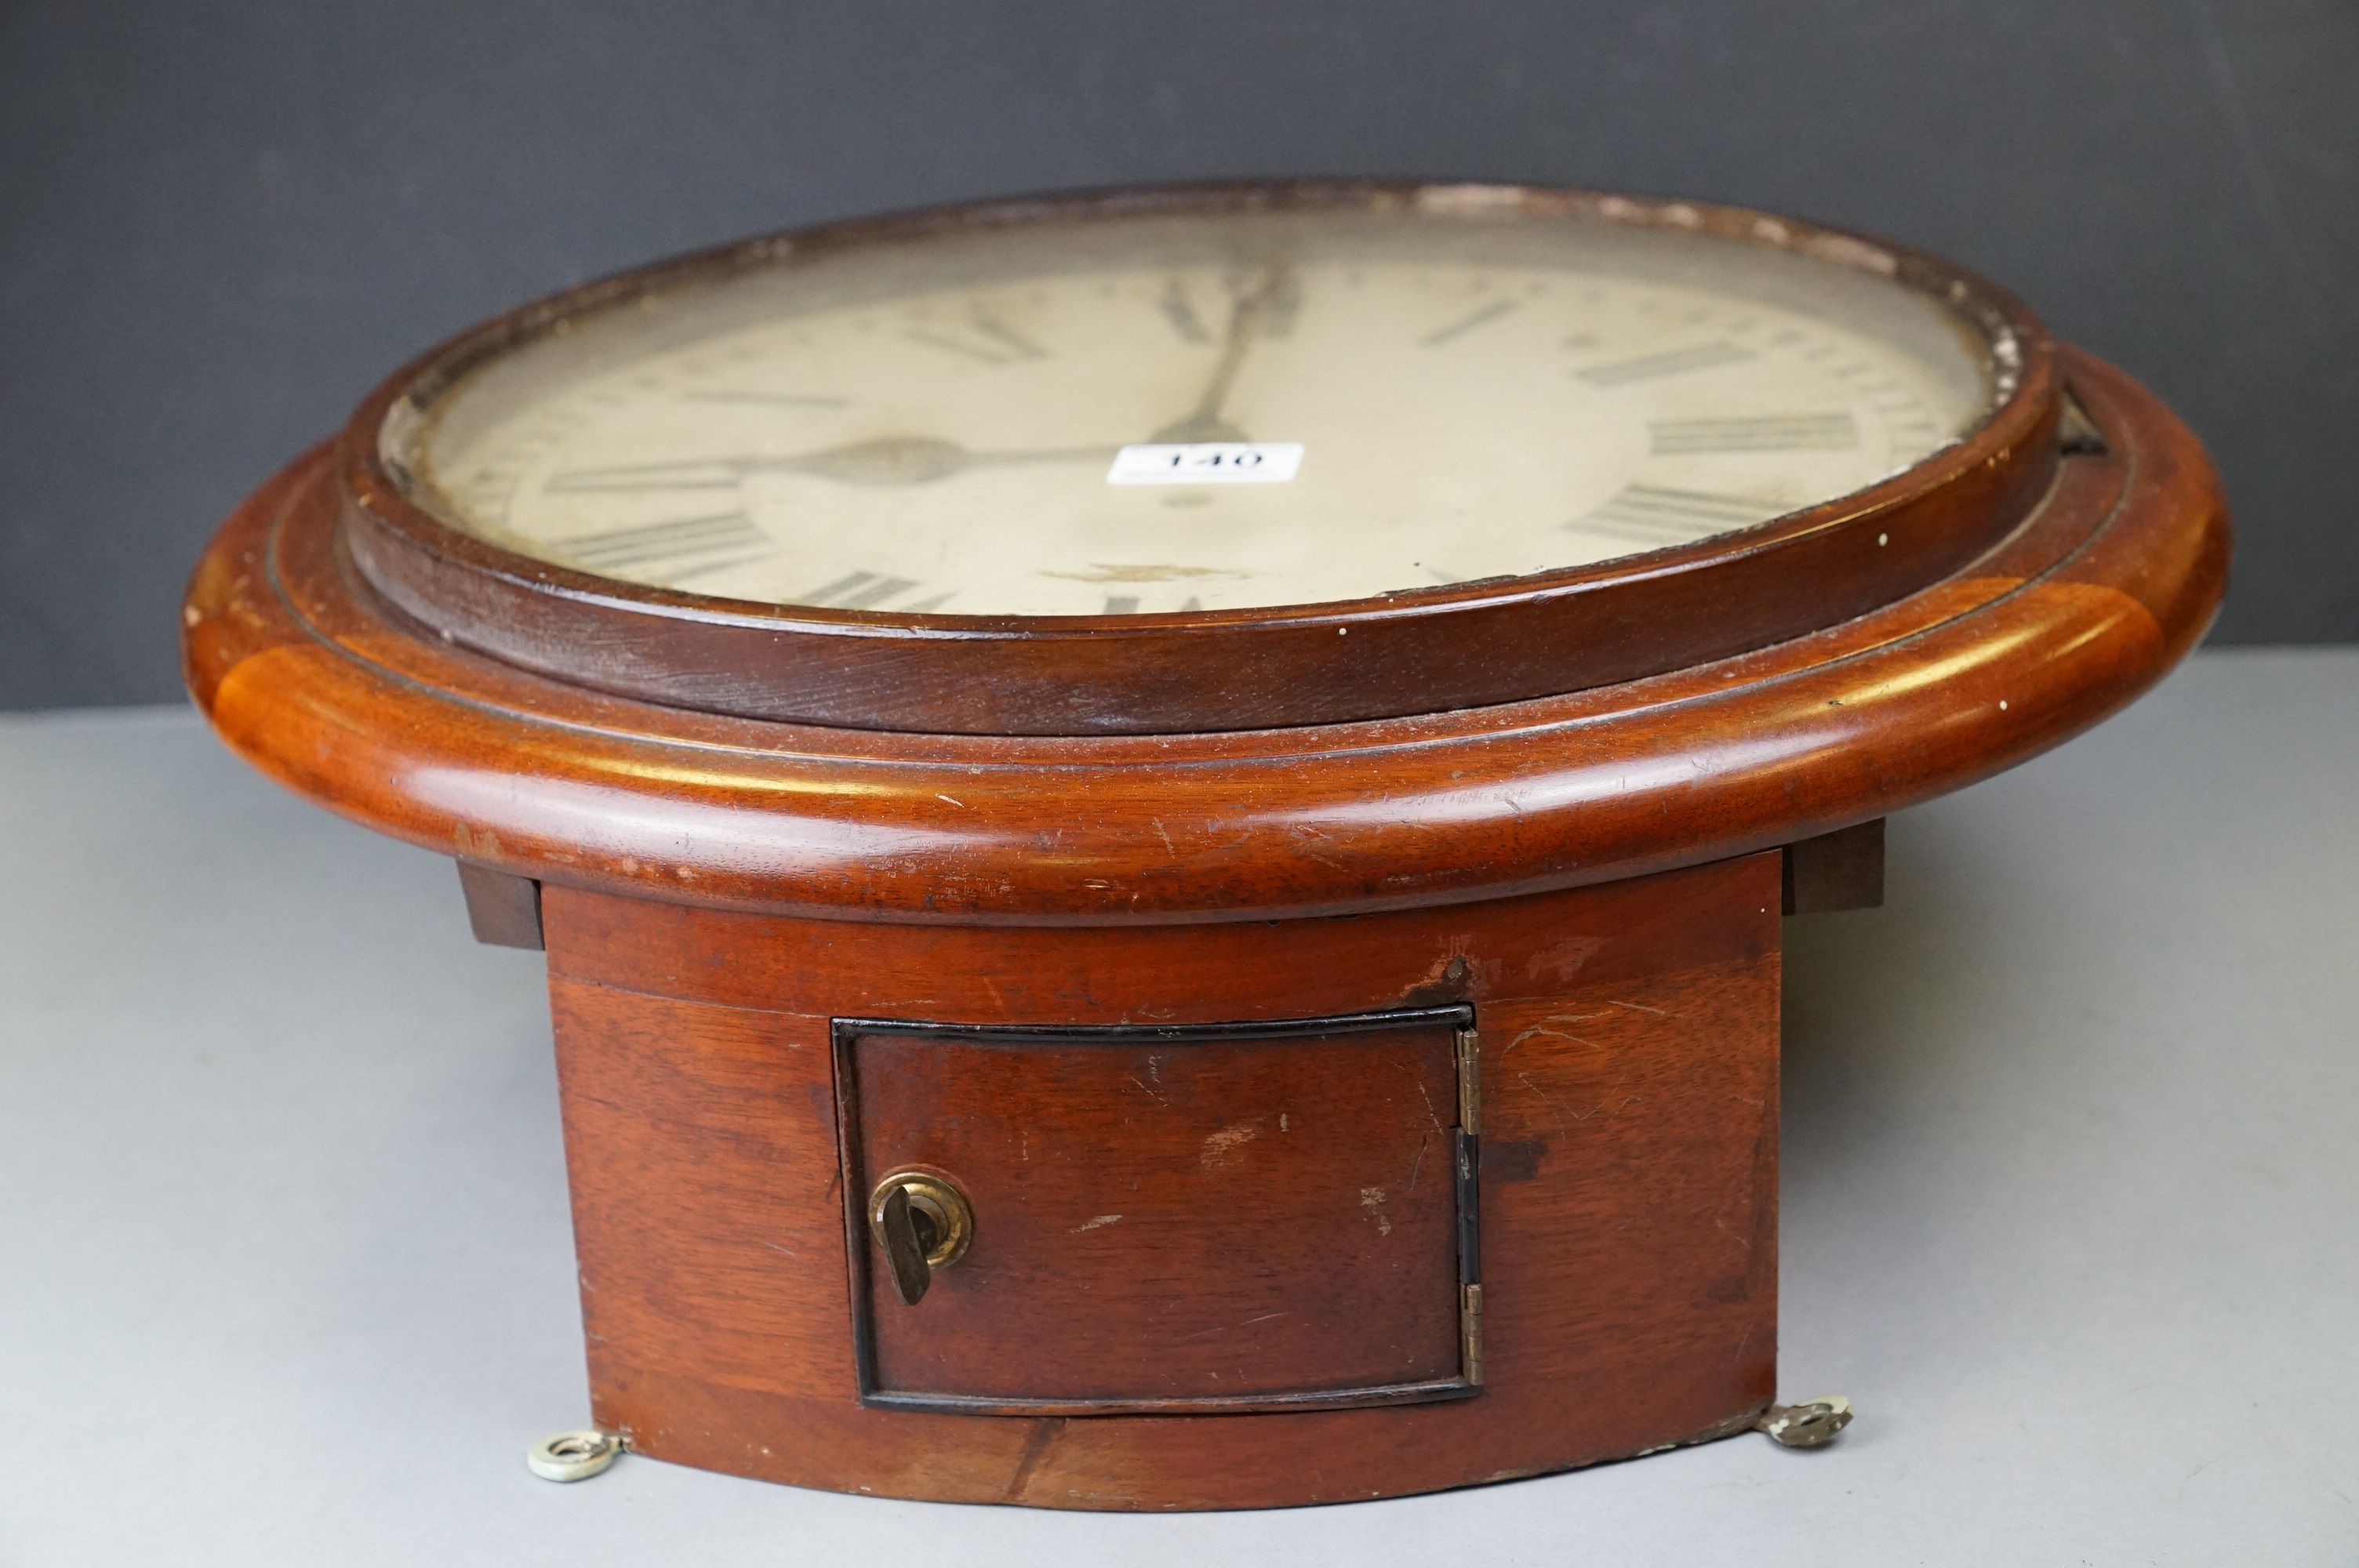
<point x="221" y="223"/>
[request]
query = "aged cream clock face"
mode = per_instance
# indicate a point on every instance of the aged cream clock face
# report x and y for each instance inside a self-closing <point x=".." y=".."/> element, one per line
<point x="1121" y="416"/>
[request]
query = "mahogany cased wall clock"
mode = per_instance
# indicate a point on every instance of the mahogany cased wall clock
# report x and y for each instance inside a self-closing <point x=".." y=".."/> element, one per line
<point x="1160" y="816"/>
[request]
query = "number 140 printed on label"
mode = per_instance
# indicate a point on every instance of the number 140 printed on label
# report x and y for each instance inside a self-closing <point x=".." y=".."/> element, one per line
<point x="1206" y="462"/>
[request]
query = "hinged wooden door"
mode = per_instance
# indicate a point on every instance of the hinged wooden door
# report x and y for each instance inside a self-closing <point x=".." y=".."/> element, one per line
<point x="1208" y="1219"/>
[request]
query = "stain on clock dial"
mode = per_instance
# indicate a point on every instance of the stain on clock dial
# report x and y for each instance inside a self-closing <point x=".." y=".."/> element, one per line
<point x="930" y="426"/>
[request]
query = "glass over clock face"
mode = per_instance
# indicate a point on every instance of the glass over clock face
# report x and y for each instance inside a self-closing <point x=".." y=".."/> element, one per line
<point x="1134" y="415"/>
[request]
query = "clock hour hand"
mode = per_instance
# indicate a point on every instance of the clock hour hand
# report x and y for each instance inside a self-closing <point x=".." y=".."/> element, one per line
<point x="888" y="461"/>
<point x="1248" y="314"/>
<point x="918" y="459"/>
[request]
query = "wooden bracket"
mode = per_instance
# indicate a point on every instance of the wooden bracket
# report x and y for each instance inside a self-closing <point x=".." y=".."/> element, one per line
<point x="1842" y="870"/>
<point x="504" y="908"/>
<point x="2077" y="435"/>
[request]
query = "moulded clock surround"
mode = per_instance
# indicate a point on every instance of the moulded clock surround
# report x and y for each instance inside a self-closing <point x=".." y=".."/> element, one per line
<point x="1092" y="915"/>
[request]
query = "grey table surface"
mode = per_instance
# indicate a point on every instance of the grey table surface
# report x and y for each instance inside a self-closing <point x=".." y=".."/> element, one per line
<point x="2071" y="1168"/>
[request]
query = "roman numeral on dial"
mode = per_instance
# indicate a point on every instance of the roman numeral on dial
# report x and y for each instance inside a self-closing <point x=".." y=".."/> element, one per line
<point x="986" y="339"/>
<point x="1466" y="324"/>
<point x="1756" y="433"/>
<point x="1658" y="514"/>
<point x="729" y="536"/>
<point x="1670" y="362"/>
<point x="870" y="590"/>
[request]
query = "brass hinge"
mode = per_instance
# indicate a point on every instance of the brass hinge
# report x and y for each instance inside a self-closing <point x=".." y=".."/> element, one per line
<point x="1470" y="1084"/>
<point x="1470" y="1332"/>
<point x="1467" y="1054"/>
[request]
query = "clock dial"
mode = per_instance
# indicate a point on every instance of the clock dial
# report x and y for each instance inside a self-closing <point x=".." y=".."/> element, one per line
<point x="1138" y="414"/>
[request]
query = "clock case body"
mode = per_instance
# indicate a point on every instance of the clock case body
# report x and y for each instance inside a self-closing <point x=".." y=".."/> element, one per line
<point x="1371" y="1091"/>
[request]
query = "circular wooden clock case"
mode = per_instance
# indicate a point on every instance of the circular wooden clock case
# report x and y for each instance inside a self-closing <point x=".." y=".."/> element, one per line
<point x="1160" y="817"/>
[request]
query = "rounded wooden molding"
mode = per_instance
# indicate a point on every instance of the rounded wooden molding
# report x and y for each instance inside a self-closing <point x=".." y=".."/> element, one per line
<point x="1422" y="651"/>
<point x="2094" y="593"/>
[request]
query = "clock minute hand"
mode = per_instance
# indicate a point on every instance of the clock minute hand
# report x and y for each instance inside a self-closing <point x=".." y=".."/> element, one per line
<point x="1203" y="422"/>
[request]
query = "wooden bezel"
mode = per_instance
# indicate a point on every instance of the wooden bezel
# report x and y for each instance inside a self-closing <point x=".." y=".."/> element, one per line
<point x="1426" y="650"/>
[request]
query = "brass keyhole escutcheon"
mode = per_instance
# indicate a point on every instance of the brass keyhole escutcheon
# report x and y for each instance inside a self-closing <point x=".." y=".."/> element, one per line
<point x="923" y="1223"/>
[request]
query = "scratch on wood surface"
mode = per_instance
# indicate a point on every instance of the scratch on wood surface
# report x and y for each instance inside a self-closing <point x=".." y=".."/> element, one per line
<point x="1418" y="1164"/>
<point x="1221" y="1147"/>
<point x="1554" y="1104"/>
<point x="1150" y="1094"/>
<point x="1169" y="847"/>
<point x="1743" y="1238"/>
<point x="1542" y="1030"/>
<point x="1565" y="959"/>
<point x="1094" y="1224"/>
<point x="1639" y="1006"/>
<point x="1329" y="861"/>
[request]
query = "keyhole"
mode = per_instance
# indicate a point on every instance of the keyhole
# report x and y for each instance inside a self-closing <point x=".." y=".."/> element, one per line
<point x="930" y="1233"/>
<point x="921" y="1223"/>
